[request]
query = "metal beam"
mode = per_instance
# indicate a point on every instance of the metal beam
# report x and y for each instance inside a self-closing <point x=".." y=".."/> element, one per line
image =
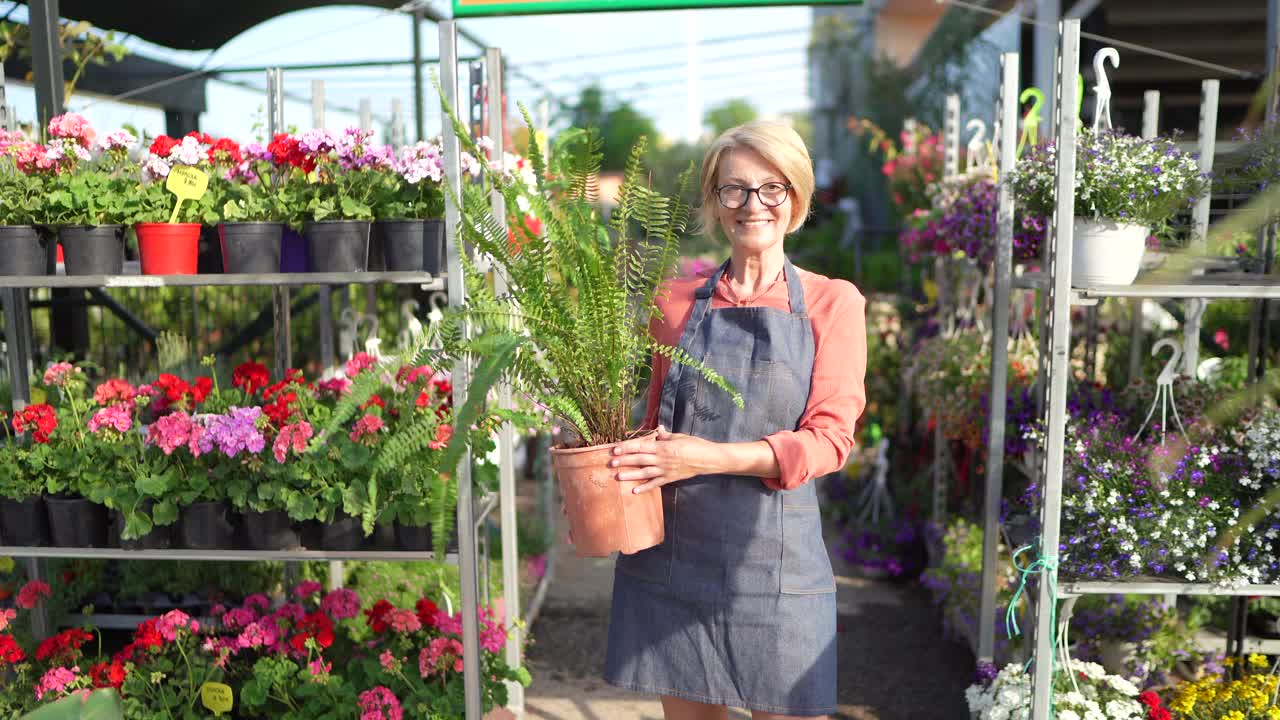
<point x="46" y="60"/>
<point x="1060" y="239"/>
<point x="1002" y="268"/>
<point x="419" y="88"/>
<point x="457" y="297"/>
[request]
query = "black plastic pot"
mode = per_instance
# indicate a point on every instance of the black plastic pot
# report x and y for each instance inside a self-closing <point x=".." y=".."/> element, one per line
<point x="25" y="250"/>
<point x="76" y="522"/>
<point x="206" y="526"/>
<point x="271" y="530"/>
<point x="412" y="538"/>
<point x="343" y="534"/>
<point x="23" y="522"/>
<point x="401" y="242"/>
<point x="251" y="247"/>
<point x="433" y="246"/>
<point x="337" y="245"/>
<point x="92" y="249"/>
<point x="160" y="538"/>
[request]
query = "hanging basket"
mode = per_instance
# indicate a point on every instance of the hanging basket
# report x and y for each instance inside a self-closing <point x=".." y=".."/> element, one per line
<point x="1106" y="252"/>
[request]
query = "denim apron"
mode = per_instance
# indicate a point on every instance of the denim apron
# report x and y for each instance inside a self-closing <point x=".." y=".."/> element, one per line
<point x="737" y="606"/>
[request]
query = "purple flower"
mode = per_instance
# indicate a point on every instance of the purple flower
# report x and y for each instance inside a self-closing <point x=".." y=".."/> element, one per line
<point x="234" y="432"/>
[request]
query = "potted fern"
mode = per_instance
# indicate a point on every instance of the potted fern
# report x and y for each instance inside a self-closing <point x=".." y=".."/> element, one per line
<point x="571" y="333"/>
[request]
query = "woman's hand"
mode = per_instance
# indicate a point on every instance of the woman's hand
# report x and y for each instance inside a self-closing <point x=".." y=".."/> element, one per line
<point x="664" y="458"/>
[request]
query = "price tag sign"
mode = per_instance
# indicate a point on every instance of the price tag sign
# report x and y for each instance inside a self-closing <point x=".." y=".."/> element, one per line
<point x="217" y="697"/>
<point x="187" y="183"/>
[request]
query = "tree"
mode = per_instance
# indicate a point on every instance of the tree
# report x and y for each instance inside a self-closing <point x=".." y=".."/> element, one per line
<point x="623" y="126"/>
<point x="730" y="113"/>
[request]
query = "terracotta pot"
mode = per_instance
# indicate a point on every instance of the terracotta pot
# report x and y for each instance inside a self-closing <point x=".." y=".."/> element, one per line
<point x="604" y="514"/>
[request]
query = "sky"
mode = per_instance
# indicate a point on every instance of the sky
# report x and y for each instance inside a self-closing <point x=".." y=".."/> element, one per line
<point x="645" y="57"/>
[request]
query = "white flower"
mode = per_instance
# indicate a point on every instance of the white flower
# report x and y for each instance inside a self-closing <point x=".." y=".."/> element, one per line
<point x="1068" y="715"/>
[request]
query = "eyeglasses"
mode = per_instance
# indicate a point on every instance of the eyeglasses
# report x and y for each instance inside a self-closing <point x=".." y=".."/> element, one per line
<point x="770" y="194"/>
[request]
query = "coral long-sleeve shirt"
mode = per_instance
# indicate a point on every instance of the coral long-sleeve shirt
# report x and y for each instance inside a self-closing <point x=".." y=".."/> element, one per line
<point x="825" y="435"/>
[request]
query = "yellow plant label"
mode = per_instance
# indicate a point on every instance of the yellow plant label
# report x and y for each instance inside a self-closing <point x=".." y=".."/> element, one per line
<point x="187" y="183"/>
<point x="217" y="697"/>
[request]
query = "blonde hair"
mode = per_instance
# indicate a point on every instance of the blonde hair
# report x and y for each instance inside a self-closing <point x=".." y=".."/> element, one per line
<point x="778" y="144"/>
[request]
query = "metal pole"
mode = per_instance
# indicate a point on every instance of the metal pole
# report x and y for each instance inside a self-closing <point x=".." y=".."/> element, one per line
<point x="506" y="434"/>
<point x="419" y="91"/>
<point x="1208" y="137"/>
<point x="1048" y="13"/>
<point x="1150" y="128"/>
<point x="324" y="318"/>
<point x="457" y="297"/>
<point x="1200" y="222"/>
<point x="397" y="124"/>
<point x="1060" y="237"/>
<point x="951" y="137"/>
<point x="279" y="295"/>
<point x="1007" y="139"/>
<point x="366" y="114"/>
<point x="46" y="61"/>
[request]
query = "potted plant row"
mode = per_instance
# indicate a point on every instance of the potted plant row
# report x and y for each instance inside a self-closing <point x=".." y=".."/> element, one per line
<point x="310" y="654"/>
<point x="285" y="464"/>
<point x="299" y="202"/>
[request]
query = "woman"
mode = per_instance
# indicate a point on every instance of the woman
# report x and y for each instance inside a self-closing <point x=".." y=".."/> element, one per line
<point x="737" y="606"/>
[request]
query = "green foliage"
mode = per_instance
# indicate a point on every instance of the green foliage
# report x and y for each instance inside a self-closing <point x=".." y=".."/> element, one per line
<point x="22" y="196"/>
<point x="728" y="114"/>
<point x="572" y="330"/>
<point x="103" y="704"/>
<point x="283" y="688"/>
<point x="151" y="202"/>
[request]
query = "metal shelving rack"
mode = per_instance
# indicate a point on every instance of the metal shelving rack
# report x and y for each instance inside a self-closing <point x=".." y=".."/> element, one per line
<point x="1058" y="326"/>
<point x="472" y="511"/>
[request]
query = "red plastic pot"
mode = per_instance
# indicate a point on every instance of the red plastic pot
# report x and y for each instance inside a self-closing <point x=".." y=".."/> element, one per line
<point x="168" y="249"/>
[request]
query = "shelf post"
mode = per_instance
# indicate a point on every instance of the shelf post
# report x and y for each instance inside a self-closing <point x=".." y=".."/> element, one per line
<point x="1150" y="128"/>
<point x="457" y="297"/>
<point x="951" y="137"/>
<point x="1007" y="141"/>
<point x="1059" y="238"/>
<point x="506" y="433"/>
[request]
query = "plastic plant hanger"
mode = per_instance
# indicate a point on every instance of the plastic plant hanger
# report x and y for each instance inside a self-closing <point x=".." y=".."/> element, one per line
<point x="1164" y="389"/>
<point x="1102" y="88"/>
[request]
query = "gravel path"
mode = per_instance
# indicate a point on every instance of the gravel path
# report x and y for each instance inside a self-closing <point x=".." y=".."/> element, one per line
<point x="894" y="665"/>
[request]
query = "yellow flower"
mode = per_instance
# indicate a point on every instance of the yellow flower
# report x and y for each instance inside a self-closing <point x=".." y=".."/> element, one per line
<point x="6" y="565"/>
<point x="1257" y="660"/>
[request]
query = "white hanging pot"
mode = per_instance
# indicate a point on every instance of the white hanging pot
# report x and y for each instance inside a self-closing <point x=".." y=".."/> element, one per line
<point x="1106" y="252"/>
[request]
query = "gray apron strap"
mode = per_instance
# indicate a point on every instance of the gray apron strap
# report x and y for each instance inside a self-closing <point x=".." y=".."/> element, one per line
<point x="701" y="305"/>
<point x="795" y="293"/>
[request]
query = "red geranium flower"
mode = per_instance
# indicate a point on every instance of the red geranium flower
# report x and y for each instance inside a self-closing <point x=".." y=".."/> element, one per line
<point x="201" y="389"/>
<point x="250" y="377"/>
<point x="427" y="612"/>
<point x="163" y="145"/>
<point x="108" y="674"/>
<point x="40" y="419"/>
<point x="374" y="400"/>
<point x="315" y="625"/>
<point x="225" y="150"/>
<point x="10" y="651"/>
<point x="377" y="615"/>
<point x="63" y="647"/>
<point x="1149" y="698"/>
<point x="173" y="387"/>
